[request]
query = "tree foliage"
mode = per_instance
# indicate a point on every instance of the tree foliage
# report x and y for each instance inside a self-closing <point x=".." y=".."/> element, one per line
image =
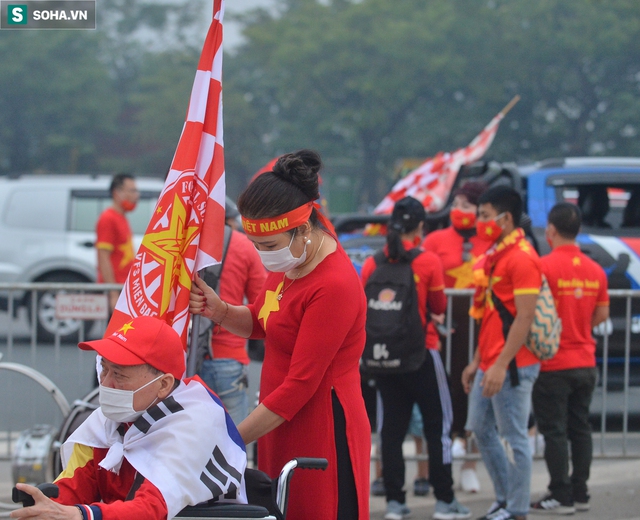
<point x="377" y="80"/>
<point x="364" y="82"/>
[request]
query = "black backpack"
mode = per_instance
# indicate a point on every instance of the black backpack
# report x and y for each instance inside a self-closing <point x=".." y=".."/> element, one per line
<point x="395" y="334"/>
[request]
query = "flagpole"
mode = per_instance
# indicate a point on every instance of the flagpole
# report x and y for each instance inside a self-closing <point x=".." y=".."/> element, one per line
<point x="510" y="105"/>
<point x="192" y="351"/>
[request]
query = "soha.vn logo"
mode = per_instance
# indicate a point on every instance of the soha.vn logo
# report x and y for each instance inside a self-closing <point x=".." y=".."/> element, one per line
<point x="386" y="301"/>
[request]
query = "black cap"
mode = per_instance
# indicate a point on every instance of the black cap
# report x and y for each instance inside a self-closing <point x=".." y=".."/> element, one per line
<point x="407" y="215"/>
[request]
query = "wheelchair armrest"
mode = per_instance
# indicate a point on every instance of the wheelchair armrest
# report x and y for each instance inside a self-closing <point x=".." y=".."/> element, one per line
<point x="312" y="463"/>
<point x="207" y="510"/>
<point x="48" y="489"/>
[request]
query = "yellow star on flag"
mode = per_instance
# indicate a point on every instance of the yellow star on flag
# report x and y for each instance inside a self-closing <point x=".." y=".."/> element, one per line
<point x="126" y="327"/>
<point x="576" y="260"/>
<point x="489" y="231"/>
<point x="168" y="246"/>
<point x="271" y="304"/>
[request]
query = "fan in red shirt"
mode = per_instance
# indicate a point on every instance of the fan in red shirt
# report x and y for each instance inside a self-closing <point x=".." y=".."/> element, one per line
<point x="562" y="394"/>
<point x="459" y="247"/>
<point x="311" y="313"/>
<point x="113" y="235"/>
<point x="427" y="386"/>
<point x="500" y="378"/>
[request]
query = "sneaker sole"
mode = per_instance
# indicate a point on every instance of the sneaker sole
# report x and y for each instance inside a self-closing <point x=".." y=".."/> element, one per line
<point x="582" y="506"/>
<point x="451" y="516"/>
<point x="561" y="510"/>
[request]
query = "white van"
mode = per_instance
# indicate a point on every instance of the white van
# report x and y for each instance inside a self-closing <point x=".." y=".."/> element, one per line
<point x="47" y="234"/>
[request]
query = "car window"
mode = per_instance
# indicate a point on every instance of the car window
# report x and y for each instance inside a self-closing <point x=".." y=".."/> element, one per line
<point x="86" y="207"/>
<point x="36" y="208"/>
<point x="605" y="206"/>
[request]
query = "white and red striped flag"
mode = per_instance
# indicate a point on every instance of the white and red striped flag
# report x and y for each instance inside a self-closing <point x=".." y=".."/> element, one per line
<point x="431" y="182"/>
<point x="186" y="231"/>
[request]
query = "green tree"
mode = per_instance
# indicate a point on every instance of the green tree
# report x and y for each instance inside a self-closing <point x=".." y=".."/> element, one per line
<point x="377" y="80"/>
<point x="55" y="101"/>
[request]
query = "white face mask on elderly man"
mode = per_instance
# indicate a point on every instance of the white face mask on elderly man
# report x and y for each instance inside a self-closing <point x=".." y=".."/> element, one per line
<point x="282" y="260"/>
<point x="117" y="405"/>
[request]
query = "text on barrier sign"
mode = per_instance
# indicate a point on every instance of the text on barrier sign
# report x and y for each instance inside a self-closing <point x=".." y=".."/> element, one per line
<point x="81" y="307"/>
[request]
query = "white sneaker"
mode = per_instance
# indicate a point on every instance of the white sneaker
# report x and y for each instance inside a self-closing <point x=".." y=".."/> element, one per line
<point x="469" y="480"/>
<point x="459" y="448"/>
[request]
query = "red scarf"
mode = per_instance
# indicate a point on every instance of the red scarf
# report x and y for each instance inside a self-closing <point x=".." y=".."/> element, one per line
<point x="485" y="264"/>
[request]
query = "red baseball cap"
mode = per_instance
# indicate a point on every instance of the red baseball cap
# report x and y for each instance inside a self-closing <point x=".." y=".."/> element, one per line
<point x="143" y="340"/>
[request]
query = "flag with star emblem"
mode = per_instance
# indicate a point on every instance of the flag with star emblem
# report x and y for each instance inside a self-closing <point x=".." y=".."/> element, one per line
<point x="186" y="231"/>
<point x="431" y="182"/>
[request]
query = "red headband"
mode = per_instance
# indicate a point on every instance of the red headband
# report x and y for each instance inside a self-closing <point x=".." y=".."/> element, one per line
<point x="265" y="227"/>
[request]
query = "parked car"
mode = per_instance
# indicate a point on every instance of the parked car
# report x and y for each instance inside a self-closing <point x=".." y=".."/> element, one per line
<point x="47" y="234"/>
<point x="607" y="189"/>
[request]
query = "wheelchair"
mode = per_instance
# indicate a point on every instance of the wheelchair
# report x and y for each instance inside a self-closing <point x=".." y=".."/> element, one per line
<point x="268" y="499"/>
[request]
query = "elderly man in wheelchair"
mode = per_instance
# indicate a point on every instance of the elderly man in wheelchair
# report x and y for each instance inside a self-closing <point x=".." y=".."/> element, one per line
<point x="155" y="445"/>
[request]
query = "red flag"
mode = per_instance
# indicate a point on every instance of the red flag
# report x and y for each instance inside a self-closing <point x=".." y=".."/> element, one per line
<point x="186" y="230"/>
<point x="431" y="182"/>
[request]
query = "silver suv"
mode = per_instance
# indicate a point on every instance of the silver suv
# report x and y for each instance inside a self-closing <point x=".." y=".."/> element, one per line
<point x="47" y="234"/>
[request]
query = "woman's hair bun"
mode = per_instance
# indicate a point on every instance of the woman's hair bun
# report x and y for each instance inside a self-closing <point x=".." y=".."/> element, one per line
<point x="300" y="169"/>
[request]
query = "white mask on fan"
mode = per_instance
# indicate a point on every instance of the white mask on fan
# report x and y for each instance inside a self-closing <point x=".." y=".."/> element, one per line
<point x="282" y="260"/>
<point x="117" y="405"/>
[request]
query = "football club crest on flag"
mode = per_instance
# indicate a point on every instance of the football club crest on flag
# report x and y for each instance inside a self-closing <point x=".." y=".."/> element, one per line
<point x="431" y="182"/>
<point x="186" y="231"/>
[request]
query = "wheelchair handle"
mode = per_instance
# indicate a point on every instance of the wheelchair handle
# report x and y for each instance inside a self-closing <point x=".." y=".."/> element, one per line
<point x="312" y="463"/>
<point x="48" y="490"/>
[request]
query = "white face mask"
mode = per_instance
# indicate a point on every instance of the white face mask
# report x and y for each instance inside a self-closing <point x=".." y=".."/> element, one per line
<point x="117" y="405"/>
<point x="282" y="260"/>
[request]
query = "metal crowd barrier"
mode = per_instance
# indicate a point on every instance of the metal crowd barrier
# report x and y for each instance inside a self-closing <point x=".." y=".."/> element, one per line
<point x="624" y="443"/>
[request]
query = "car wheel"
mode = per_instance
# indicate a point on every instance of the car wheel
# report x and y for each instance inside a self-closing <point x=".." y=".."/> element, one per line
<point x="47" y="324"/>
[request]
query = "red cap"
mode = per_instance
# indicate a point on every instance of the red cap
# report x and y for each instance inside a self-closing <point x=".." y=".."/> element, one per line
<point x="143" y="340"/>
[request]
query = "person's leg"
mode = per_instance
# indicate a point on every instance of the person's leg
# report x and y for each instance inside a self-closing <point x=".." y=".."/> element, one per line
<point x="550" y="406"/>
<point x="416" y="431"/>
<point x="396" y="406"/>
<point x="584" y="382"/>
<point x="434" y="400"/>
<point x="512" y="406"/>
<point x="228" y="379"/>
<point x="482" y="422"/>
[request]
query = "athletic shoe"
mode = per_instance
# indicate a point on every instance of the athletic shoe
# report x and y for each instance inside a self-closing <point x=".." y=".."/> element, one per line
<point x="581" y="506"/>
<point x="377" y="487"/>
<point x="550" y="506"/>
<point x="458" y="448"/>
<point x="581" y="502"/>
<point x="495" y="507"/>
<point x="421" y="487"/>
<point x="503" y="514"/>
<point x="450" y="511"/>
<point x="469" y="480"/>
<point x="396" y="510"/>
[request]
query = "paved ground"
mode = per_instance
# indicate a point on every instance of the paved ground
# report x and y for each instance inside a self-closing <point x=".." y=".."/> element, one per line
<point x="614" y="486"/>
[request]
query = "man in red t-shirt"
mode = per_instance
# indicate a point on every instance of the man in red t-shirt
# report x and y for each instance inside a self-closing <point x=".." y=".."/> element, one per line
<point x="562" y="394"/>
<point x="114" y="239"/>
<point x="500" y="378"/>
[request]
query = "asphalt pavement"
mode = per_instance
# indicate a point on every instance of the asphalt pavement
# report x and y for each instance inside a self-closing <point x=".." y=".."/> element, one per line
<point x="614" y="488"/>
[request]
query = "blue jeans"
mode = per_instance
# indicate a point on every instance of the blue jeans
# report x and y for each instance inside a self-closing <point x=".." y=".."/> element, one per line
<point x="228" y="379"/>
<point x="509" y="466"/>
